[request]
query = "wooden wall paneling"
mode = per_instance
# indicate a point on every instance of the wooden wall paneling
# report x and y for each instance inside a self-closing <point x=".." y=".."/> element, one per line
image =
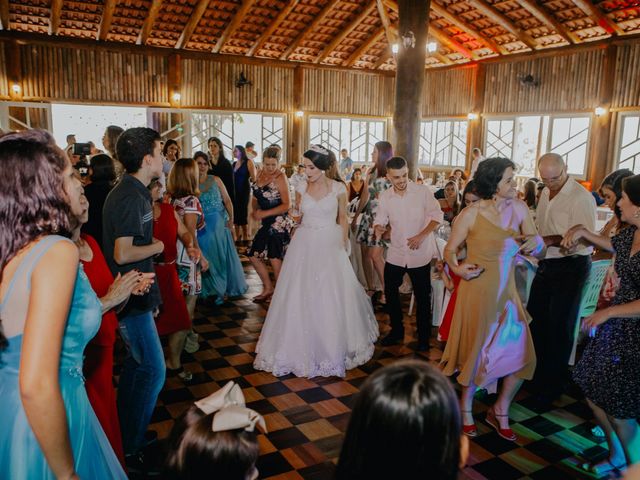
<point x="448" y="92"/>
<point x="474" y="128"/>
<point x="14" y="69"/>
<point x="599" y="161"/>
<point x="347" y="93"/>
<point x="210" y="84"/>
<point x="626" y="92"/>
<point x="567" y="83"/>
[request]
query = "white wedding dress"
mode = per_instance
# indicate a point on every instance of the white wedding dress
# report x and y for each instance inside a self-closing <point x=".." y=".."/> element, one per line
<point x="320" y="322"/>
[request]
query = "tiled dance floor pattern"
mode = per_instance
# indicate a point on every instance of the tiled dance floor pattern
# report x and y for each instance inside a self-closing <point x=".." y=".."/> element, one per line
<point x="307" y="418"/>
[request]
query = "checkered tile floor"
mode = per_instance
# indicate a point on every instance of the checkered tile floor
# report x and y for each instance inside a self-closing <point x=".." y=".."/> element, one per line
<point x="307" y="418"/>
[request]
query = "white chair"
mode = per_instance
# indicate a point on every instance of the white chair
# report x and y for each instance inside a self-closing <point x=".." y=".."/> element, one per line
<point x="589" y="298"/>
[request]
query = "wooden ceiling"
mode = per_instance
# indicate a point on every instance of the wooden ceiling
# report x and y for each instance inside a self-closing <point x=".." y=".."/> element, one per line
<point x="346" y="33"/>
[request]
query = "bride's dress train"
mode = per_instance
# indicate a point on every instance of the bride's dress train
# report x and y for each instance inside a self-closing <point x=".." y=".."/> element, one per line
<point x="320" y="322"/>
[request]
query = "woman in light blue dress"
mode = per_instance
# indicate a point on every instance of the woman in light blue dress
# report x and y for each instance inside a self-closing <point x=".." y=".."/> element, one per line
<point x="225" y="277"/>
<point x="49" y="312"/>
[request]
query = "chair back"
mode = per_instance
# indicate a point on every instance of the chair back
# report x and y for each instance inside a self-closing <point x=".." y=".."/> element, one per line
<point x="592" y="287"/>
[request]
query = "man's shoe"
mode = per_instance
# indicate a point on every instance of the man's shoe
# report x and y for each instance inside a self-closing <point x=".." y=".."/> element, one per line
<point x="390" y="340"/>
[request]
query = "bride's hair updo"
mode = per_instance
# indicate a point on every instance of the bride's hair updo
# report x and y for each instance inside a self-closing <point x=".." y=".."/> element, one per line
<point x="321" y="157"/>
<point x="325" y="160"/>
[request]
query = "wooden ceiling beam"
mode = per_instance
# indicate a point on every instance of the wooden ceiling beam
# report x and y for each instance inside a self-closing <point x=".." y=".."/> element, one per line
<point x="192" y="23"/>
<point x="611" y="27"/>
<point x="147" y="26"/>
<point x="460" y="25"/>
<point x="500" y="19"/>
<point x="322" y="14"/>
<point x="273" y="25"/>
<point x="384" y="58"/>
<point x="107" y="19"/>
<point x="237" y="19"/>
<point x="384" y="18"/>
<point x="448" y="42"/>
<point x="54" y="21"/>
<point x="366" y="45"/>
<point x="4" y="15"/>
<point x="344" y="33"/>
<point x="442" y="58"/>
<point x="549" y="20"/>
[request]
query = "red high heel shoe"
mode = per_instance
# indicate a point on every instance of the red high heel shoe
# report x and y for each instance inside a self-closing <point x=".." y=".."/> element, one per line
<point x="469" y="430"/>
<point x="492" y="419"/>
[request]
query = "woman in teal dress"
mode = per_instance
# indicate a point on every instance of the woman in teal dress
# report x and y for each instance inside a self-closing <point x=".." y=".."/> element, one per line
<point x="225" y="277"/>
<point x="47" y="426"/>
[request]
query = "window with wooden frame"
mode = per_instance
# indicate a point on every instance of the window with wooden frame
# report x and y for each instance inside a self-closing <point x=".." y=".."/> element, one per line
<point x="443" y="143"/>
<point x="628" y="145"/>
<point x="357" y="135"/>
<point x="524" y="138"/>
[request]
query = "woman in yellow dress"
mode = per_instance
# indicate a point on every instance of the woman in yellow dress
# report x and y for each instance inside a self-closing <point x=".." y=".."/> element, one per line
<point x="490" y="338"/>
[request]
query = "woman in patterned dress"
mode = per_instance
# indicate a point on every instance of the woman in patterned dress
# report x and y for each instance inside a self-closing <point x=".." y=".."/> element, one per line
<point x="607" y="373"/>
<point x="270" y="205"/>
<point x="372" y="249"/>
<point x="183" y="188"/>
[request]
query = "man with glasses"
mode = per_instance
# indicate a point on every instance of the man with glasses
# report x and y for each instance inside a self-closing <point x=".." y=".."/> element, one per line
<point x="557" y="287"/>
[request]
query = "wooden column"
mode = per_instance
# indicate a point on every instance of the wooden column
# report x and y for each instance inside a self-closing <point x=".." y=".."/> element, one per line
<point x="296" y="143"/>
<point x="413" y="17"/>
<point x="600" y="161"/>
<point x="474" y="131"/>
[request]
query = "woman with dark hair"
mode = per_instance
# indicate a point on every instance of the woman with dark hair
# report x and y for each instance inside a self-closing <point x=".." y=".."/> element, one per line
<point x="611" y="192"/>
<point x="607" y="372"/>
<point x="490" y="337"/>
<point x="407" y="412"/>
<point x="109" y="140"/>
<point x="530" y="194"/>
<point x="469" y="196"/>
<point x="47" y="427"/>
<point x="171" y="153"/>
<point x="103" y="175"/>
<point x="356" y="184"/>
<point x="244" y="173"/>
<point x="220" y="166"/>
<point x="320" y="322"/>
<point x="450" y="204"/>
<point x="271" y="203"/>
<point x="225" y="277"/>
<point x="372" y="249"/>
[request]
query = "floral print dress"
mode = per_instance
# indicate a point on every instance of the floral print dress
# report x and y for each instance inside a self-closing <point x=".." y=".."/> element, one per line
<point x="189" y="271"/>
<point x="272" y="239"/>
<point x="365" y="234"/>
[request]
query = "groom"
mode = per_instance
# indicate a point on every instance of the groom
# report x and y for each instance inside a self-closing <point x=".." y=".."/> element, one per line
<point x="413" y="213"/>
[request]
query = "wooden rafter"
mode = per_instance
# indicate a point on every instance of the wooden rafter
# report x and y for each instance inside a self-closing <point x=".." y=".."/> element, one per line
<point x="384" y="18"/>
<point x="549" y="20"/>
<point x="446" y="41"/>
<point x="54" y="21"/>
<point x="611" y="27"/>
<point x="4" y="15"/>
<point x="147" y="26"/>
<point x="107" y="18"/>
<point x="442" y="37"/>
<point x="192" y="23"/>
<point x="384" y="58"/>
<point x="275" y="23"/>
<point x="303" y="34"/>
<point x="237" y="20"/>
<point x="344" y="33"/>
<point x="366" y="45"/>
<point x="495" y="16"/>
<point x="460" y="25"/>
<point x="442" y="58"/>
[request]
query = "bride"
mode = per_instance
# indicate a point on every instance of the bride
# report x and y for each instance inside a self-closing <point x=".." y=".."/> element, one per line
<point x="320" y="322"/>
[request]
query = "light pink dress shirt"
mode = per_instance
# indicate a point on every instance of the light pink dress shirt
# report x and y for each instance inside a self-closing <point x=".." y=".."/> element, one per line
<point x="408" y="215"/>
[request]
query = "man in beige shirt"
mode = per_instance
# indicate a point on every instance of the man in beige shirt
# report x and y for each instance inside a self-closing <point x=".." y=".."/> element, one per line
<point x="557" y="287"/>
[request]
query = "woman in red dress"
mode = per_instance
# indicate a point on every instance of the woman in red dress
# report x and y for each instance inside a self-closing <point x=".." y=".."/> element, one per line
<point x="173" y="319"/>
<point x="98" y="363"/>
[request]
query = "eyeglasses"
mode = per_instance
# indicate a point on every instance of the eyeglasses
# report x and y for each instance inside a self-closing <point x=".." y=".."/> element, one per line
<point x="553" y="179"/>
